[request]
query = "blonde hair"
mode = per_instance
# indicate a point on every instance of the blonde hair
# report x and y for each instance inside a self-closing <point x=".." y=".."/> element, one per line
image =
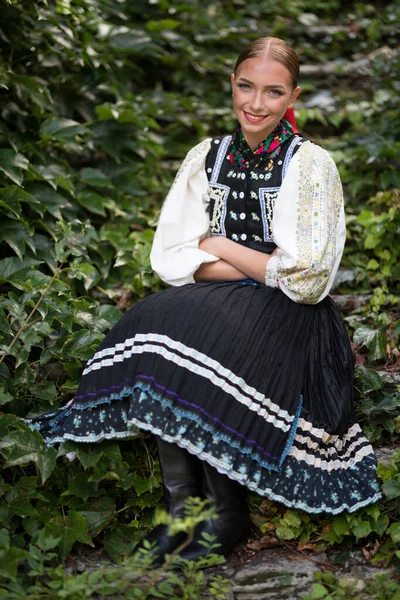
<point x="275" y="48"/>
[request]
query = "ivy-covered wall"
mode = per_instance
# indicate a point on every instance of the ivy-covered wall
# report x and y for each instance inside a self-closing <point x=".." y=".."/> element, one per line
<point x="99" y="101"/>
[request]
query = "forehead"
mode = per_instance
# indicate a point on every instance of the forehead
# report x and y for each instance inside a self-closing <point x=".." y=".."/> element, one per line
<point x="264" y="70"/>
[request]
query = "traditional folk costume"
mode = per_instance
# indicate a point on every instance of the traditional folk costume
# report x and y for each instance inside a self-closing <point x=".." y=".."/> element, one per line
<point x="254" y="379"/>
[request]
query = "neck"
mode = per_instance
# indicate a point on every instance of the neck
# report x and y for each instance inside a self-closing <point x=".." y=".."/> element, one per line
<point x="255" y="140"/>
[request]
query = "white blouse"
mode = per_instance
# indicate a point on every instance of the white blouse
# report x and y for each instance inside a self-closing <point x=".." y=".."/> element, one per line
<point x="308" y="225"/>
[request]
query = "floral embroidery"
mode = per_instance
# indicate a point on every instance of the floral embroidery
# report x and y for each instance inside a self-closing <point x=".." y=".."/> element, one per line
<point x="268" y="197"/>
<point x="241" y="156"/>
<point x="218" y="194"/>
<point x="318" y="210"/>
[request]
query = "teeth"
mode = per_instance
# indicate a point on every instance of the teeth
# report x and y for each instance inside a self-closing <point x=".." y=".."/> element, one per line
<point x="254" y="118"/>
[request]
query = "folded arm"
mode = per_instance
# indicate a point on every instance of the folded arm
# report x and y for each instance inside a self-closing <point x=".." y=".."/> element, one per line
<point x="236" y="261"/>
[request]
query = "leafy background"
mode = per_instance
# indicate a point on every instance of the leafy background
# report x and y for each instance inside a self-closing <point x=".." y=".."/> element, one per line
<point x="100" y="100"/>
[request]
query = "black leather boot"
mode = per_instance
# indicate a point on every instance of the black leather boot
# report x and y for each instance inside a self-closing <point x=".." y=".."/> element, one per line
<point x="181" y="474"/>
<point x="229" y="500"/>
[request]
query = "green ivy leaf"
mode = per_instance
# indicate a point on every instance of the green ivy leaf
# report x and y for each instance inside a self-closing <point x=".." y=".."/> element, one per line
<point x="47" y="391"/>
<point x="394" y="531"/>
<point x="23" y="508"/>
<point x="12" y="164"/>
<point x="16" y="234"/>
<point x="83" y="488"/>
<point x="370" y="379"/>
<point x="120" y="541"/>
<point x="391" y="489"/>
<point x="318" y="591"/>
<point x="46" y="541"/>
<point x="9" y="561"/>
<point x="98" y="512"/>
<point x="341" y="525"/>
<point x="94" y="203"/>
<point x="70" y="529"/>
<point x="46" y="463"/>
<point x="5" y="397"/>
<point x="162" y="25"/>
<point x="142" y="485"/>
<point x="95" y="178"/>
<point x="62" y="129"/>
<point x="361" y="529"/>
<point x="56" y="176"/>
<point x="292" y="519"/>
<point x="81" y="344"/>
<point x="88" y="273"/>
<point x="372" y="265"/>
<point x="381" y="524"/>
<point x="13" y="268"/>
<point x="373" y="339"/>
<point x="286" y="533"/>
<point x="4" y="539"/>
<point x="111" y="314"/>
<point x="53" y="202"/>
<point x="89" y="455"/>
<point x="21" y="447"/>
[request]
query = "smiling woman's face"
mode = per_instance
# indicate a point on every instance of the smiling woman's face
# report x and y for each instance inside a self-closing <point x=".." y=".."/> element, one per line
<point x="262" y="91"/>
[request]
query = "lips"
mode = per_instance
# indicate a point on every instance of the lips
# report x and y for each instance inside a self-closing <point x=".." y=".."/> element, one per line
<point x="254" y="118"/>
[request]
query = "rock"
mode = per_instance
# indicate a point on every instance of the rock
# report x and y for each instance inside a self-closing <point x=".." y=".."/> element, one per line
<point x="392" y="377"/>
<point x="270" y="578"/>
<point x="384" y="454"/>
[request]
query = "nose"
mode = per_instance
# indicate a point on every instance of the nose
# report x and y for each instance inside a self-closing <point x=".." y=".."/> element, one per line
<point x="257" y="102"/>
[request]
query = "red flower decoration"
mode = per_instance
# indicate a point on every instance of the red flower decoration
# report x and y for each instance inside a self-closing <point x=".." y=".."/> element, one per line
<point x="273" y="145"/>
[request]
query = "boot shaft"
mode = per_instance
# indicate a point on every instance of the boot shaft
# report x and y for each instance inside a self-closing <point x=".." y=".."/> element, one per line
<point x="181" y="475"/>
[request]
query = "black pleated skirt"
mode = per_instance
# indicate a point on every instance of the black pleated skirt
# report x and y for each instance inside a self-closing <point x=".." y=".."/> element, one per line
<point x="255" y="384"/>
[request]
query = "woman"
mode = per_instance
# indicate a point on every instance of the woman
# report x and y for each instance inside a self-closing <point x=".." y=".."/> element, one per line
<point x="243" y="369"/>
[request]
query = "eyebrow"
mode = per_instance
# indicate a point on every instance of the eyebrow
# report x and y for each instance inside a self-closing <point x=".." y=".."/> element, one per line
<point x="273" y="85"/>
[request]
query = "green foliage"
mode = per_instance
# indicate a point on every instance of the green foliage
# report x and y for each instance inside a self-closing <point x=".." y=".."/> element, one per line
<point x="96" y="498"/>
<point x="377" y="406"/>
<point x="374" y="253"/>
<point x="331" y="587"/>
<point x="132" y="579"/>
<point x="374" y="526"/>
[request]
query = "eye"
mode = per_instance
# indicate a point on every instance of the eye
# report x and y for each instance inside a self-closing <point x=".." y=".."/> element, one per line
<point x="276" y="92"/>
<point x="243" y="86"/>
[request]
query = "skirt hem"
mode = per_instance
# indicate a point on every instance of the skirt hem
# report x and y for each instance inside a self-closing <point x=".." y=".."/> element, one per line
<point x="181" y="442"/>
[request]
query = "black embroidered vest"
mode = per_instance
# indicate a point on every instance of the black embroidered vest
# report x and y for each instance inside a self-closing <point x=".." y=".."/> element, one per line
<point x="242" y="200"/>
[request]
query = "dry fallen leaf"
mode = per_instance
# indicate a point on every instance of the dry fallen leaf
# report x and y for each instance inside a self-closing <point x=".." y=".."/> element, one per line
<point x="267" y="541"/>
<point x="125" y="301"/>
<point x="306" y="546"/>
<point x="370" y="550"/>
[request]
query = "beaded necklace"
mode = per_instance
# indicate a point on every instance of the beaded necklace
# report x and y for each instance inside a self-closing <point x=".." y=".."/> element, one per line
<point x="240" y="154"/>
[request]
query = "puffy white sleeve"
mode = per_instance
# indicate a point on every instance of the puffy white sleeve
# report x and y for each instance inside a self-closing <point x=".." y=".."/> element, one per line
<point x="184" y="222"/>
<point x="308" y="227"/>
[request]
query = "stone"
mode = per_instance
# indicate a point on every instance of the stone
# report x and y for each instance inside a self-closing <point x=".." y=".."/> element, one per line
<point x="269" y="578"/>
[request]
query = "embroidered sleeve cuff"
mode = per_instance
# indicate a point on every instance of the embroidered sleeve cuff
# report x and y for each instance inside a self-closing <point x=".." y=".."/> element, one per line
<point x="271" y="272"/>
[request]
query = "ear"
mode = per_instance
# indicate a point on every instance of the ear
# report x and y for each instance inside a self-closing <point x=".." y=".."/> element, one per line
<point x="233" y="80"/>
<point x="296" y="92"/>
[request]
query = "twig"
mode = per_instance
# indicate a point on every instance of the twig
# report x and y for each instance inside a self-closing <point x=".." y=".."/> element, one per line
<point x="323" y="563"/>
<point x="159" y="574"/>
<point x="28" y="318"/>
